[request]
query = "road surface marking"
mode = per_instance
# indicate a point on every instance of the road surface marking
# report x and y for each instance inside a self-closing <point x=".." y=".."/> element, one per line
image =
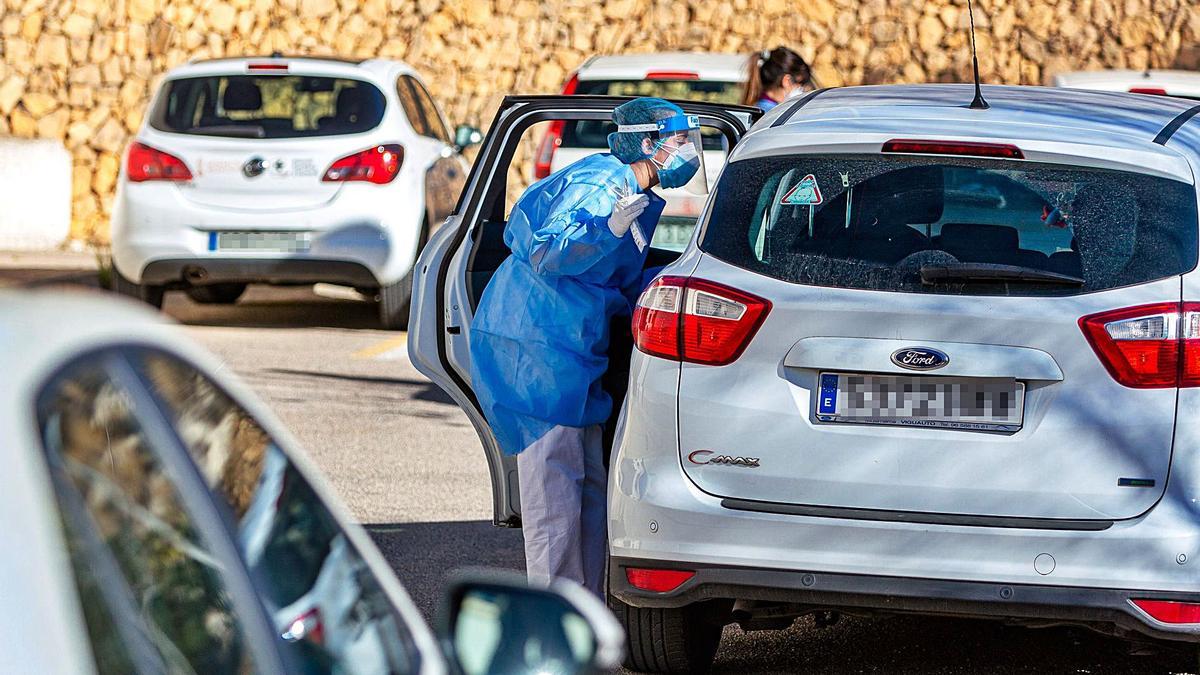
<point x="391" y="349"/>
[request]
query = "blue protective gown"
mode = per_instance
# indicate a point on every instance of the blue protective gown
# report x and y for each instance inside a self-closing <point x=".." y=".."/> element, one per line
<point x="539" y="339"/>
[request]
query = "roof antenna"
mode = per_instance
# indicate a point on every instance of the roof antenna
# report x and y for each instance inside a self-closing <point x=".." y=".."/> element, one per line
<point x="978" y="103"/>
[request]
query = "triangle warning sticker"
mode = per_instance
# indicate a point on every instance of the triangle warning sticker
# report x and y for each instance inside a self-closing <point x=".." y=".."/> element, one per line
<point x="806" y="193"/>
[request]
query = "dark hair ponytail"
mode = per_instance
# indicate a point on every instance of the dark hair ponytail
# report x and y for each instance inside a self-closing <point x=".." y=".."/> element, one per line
<point x="767" y="68"/>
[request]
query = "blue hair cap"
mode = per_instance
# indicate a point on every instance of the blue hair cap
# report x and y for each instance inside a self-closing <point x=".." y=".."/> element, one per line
<point x="627" y="146"/>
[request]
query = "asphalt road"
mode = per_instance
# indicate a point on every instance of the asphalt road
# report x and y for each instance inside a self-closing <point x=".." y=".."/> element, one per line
<point x="407" y="462"/>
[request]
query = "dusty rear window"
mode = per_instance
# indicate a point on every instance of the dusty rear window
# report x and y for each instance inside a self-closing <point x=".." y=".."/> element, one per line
<point x="268" y="106"/>
<point x="936" y="225"/>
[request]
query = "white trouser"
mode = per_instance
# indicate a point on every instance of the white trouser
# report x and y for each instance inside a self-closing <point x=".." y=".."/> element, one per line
<point x="563" y="512"/>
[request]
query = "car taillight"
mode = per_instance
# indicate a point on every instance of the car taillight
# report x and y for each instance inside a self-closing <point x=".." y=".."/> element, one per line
<point x="696" y="321"/>
<point x="553" y="138"/>
<point x="145" y="163"/>
<point x="267" y="68"/>
<point x="966" y="148"/>
<point x="672" y="75"/>
<point x="378" y="165"/>
<point x="1148" y="346"/>
<point x="658" y="581"/>
<point x="308" y="627"/>
<point x="1153" y="91"/>
<point x="1170" y="611"/>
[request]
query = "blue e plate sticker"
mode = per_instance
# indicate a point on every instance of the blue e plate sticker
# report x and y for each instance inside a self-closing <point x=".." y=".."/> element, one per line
<point x="806" y="193"/>
<point x="827" y="395"/>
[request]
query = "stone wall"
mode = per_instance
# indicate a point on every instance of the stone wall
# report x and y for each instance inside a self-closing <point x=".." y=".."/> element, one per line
<point x="82" y="70"/>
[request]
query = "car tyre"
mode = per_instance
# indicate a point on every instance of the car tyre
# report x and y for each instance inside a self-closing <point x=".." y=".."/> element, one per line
<point x="151" y="295"/>
<point x="216" y="294"/>
<point x="395" y="299"/>
<point x="668" y="639"/>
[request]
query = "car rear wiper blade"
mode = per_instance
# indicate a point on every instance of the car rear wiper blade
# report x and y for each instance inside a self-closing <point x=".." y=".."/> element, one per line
<point x="935" y="274"/>
<point x="234" y="130"/>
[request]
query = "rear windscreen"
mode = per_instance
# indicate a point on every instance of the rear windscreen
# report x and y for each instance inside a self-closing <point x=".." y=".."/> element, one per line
<point x="268" y="106"/>
<point x="884" y="222"/>
<point x="594" y="133"/>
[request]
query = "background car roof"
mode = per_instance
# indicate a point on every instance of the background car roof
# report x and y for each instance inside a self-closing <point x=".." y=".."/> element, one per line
<point x="714" y="67"/>
<point x="1127" y="78"/>
<point x="306" y="65"/>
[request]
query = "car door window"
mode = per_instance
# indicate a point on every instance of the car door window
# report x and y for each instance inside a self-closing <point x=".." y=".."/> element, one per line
<point x="153" y="594"/>
<point x="324" y="598"/>
<point x="412" y="106"/>
<point x="433" y="117"/>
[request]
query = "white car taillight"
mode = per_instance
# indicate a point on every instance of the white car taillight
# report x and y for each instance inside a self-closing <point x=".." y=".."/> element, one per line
<point x="1148" y="346"/>
<point x="378" y="165"/>
<point x="144" y="163"/>
<point x="712" y="325"/>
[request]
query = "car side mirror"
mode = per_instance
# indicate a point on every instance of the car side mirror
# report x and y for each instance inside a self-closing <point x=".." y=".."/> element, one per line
<point x="465" y="136"/>
<point x="495" y="622"/>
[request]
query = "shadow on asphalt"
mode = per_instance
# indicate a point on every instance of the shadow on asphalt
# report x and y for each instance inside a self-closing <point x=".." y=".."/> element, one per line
<point x="424" y="555"/>
<point x="904" y="644"/>
<point x="425" y="390"/>
<point x="275" y="307"/>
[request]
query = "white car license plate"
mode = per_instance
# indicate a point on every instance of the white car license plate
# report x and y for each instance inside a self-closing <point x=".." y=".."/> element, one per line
<point x="922" y="401"/>
<point x="270" y="242"/>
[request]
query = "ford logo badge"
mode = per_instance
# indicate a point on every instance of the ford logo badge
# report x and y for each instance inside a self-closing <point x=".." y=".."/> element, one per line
<point x="919" y="358"/>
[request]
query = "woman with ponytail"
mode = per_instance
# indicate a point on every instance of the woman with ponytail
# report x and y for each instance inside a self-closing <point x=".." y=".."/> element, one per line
<point x="775" y="75"/>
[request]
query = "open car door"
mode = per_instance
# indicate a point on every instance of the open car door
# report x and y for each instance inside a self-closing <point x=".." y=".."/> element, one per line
<point x="460" y="259"/>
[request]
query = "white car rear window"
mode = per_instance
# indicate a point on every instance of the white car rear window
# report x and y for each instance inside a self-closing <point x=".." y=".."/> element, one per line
<point x="941" y="225"/>
<point x="268" y="106"/>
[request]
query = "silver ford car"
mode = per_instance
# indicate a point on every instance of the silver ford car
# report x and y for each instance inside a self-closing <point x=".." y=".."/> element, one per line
<point x="917" y="357"/>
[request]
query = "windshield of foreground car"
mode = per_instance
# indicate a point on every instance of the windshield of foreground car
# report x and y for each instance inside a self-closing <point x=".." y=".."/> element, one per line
<point x="268" y="106"/>
<point x="875" y="222"/>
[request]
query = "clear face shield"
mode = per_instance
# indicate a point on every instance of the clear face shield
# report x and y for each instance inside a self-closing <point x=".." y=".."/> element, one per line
<point x="677" y="153"/>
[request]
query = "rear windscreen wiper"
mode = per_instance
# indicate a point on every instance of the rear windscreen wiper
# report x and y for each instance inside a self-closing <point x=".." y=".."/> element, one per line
<point x="985" y="272"/>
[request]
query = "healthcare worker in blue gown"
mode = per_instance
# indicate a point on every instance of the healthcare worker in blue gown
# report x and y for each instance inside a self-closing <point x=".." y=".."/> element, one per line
<point x="540" y="336"/>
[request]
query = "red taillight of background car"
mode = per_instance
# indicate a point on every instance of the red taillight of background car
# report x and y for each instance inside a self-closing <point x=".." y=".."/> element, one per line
<point x="1153" y="91"/>
<point x="1149" y="346"/>
<point x="657" y="581"/>
<point x="552" y="139"/>
<point x="1170" y="611"/>
<point x="378" y="165"/>
<point x="696" y="321"/>
<point x="145" y="163"/>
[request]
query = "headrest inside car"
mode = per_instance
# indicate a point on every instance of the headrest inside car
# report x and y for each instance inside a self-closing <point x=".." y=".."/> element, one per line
<point x="915" y="195"/>
<point x="242" y="95"/>
<point x="349" y="102"/>
<point x="963" y="237"/>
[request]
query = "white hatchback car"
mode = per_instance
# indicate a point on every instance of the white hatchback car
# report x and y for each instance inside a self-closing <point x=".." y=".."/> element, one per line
<point x="158" y="518"/>
<point x="285" y="171"/>
<point x="917" y="357"/>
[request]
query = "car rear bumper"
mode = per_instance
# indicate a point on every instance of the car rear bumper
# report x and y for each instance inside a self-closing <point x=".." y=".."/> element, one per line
<point x="828" y="591"/>
<point x="375" y="229"/>
<point x="200" y="271"/>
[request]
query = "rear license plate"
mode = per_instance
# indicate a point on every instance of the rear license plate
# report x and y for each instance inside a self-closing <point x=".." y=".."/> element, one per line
<point x="271" y="242"/>
<point x="909" y="400"/>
